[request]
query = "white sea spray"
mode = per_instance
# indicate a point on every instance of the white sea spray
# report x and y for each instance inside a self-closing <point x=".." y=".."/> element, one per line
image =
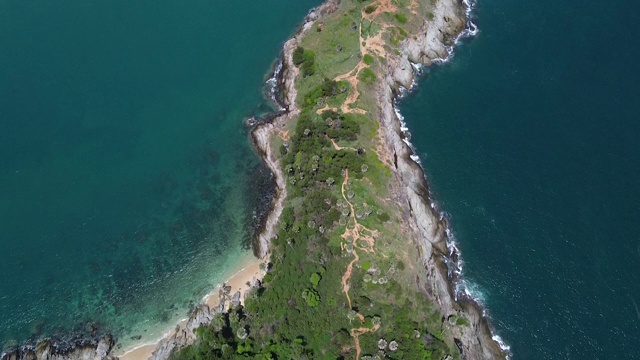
<point x="272" y="85"/>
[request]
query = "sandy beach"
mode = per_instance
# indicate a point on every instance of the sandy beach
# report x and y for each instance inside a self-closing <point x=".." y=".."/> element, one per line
<point x="238" y="282"/>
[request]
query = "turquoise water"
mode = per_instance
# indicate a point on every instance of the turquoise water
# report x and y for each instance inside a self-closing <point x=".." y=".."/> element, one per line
<point x="529" y="137"/>
<point x="128" y="187"/>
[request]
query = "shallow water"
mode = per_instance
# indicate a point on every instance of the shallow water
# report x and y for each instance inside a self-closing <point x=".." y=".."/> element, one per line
<point x="529" y="139"/>
<point x="128" y="184"/>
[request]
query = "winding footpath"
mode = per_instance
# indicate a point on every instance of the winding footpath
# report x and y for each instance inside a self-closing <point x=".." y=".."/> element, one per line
<point x="355" y="234"/>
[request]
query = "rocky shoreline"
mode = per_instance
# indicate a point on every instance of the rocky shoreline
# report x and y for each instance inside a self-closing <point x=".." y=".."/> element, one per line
<point x="262" y="133"/>
<point x="52" y="349"/>
<point x="430" y="45"/>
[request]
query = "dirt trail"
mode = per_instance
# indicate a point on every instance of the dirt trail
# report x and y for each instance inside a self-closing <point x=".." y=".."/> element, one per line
<point x="348" y="233"/>
<point x="356" y="233"/>
<point x="374" y="44"/>
<point x="371" y="45"/>
<point x="355" y="334"/>
<point x="338" y="147"/>
<point x="382" y="6"/>
<point x="352" y="78"/>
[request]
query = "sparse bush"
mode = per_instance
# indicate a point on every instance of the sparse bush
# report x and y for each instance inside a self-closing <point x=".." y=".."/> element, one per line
<point x="368" y="76"/>
<point x="384" y="217"/>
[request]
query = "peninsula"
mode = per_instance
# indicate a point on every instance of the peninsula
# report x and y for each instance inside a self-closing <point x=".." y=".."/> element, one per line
<point x="357" y="255"/>
<point x="355" y="260"/>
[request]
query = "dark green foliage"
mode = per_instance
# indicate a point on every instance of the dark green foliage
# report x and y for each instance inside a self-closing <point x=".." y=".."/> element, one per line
<point x="431" y="16"/>
<point x="298" y="56"/>
<point x="282" y="150"/>
<point x="383" y="217"/>
<point x="328" y="88"/>
<point x="343" y="127"/>
<point x="368" y="59"/>
<point x="304" y="59"/>
<point x="402" y="18"/>
<point x="369" y="9"/>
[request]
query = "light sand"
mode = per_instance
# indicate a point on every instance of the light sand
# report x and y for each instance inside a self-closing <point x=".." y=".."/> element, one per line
<point x="238" y="282"/>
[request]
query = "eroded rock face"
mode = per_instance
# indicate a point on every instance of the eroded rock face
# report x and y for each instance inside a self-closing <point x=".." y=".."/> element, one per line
<point x="449" y="20"/>
<point x="437" y="35"/>
<point x="186" y="335"/>
<point x="261" y="136"/>
<point x="75" y="350"/>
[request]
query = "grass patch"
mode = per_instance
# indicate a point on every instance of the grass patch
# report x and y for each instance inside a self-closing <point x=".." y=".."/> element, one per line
<point x="367" y="76"/>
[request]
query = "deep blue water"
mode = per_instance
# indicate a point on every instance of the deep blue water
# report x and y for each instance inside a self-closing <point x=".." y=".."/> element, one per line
<point x="126" y="177"/>
<point x="529" y="137"/>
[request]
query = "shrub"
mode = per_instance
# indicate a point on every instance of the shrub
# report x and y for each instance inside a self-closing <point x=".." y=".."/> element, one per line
<point x="384" y="217"/>
<point x="368" y="59"/>
<point x="369" y="9"/>
<point x="402" y="18"/>
<point x="305" y="60"/>
<point x="366" y="265"/>
<point x="368" y="76"/>
<point x="311" y="297"/>
<point x="461" y="321"/>
<point x="315" y="279"/>
<point x="298" y="55"/>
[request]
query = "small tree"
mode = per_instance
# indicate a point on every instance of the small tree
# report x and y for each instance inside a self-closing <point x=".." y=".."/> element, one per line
<point x="312" y="297"/>
<point x="315" y="279"/>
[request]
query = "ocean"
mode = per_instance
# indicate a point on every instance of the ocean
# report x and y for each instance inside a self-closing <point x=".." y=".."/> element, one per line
<point x="129" y="189"/>
<point x="529" y="138"/>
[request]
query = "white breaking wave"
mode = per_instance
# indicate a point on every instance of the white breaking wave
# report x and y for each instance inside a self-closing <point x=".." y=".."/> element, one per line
<point x="471" y="30"/>
<point x="272" y="84"/>
<point x="506" y="348"/>
<point x="462" y="286"/>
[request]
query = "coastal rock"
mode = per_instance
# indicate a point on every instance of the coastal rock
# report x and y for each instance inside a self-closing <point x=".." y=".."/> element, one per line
<point x="184" y="335"/>
<point x="403" y="73"/>
<point x="449" y="20"/>
<point x="262" y="134"/>
<point x="437" y="35"/>
<point x="82" y="349"/>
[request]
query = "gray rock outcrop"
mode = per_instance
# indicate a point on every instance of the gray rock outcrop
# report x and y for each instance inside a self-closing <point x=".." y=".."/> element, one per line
<point x="432" y="44"/>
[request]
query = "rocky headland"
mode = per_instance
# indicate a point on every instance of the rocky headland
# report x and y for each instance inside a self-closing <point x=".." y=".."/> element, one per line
<point x="433" y="43"/>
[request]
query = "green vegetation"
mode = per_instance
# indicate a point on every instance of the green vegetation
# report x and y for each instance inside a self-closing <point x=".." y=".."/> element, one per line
<point x="306" y="60"/>
<point x="402" y="18"/>
<point x="368" y="76"/>
<point x="369" y="9"/>
<point x="398" y="35"/>
<point x="368" y="59"/>
<point x="431" y="16"/>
